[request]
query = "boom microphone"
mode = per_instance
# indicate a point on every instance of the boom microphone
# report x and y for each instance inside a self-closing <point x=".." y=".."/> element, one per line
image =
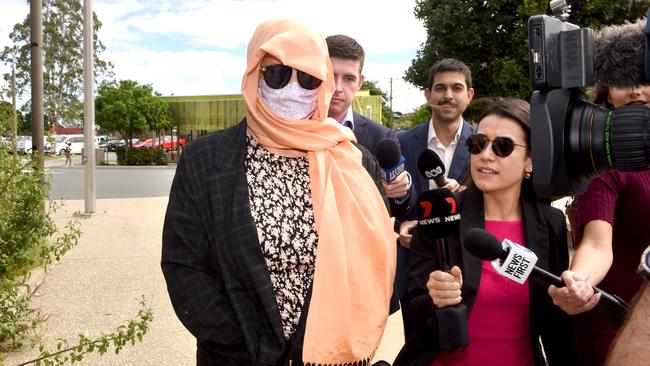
<point x="390" y="158"/>
<point x="438" y="218"/>
<point x="431" y="166"/>
<point x="518" y="263"/>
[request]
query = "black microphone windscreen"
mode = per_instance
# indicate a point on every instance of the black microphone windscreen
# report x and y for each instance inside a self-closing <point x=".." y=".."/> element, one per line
<point x="438" y="215"/>
<point x="647" y="46"/>
<point x="483" y="245"/>
<point x="430" y="165"/>
<point x="619" y="54"/>
<point x="388" y="153"/>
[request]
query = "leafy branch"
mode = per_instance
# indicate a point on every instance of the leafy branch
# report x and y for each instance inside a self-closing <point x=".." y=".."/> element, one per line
<point x="134" y="330"/>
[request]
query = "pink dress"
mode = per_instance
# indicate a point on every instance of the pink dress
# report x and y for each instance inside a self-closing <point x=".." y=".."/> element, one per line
<point x="499" y="332"/>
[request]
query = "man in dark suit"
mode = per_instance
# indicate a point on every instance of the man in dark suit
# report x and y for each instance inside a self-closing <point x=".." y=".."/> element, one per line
<point x="448" y="92"/>
<point x="347" y="58"/>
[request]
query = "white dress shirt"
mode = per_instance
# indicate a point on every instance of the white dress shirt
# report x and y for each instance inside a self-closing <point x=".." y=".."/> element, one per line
<point x="446" y="154"/>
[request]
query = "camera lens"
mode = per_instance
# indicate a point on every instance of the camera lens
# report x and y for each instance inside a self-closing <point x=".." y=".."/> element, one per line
<point x="600" y="139"/>
<point x="573" y="141"/>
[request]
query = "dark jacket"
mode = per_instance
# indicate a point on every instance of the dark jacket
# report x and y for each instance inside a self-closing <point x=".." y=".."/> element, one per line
<point x="369" y="132"/>
<point x="545" y="234"/>
<point x="412" y="143"/>
<point x="216" y="275"/>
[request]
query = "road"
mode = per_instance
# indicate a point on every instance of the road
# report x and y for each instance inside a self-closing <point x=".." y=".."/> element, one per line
<point x="112" y="182"/>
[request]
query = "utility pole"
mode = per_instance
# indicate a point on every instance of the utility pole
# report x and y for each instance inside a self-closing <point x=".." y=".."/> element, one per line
<point x="36" y="38"/>
<point x="14" y="118"/>
<point x="89" y="112"/>
<point x="391" y="94"/>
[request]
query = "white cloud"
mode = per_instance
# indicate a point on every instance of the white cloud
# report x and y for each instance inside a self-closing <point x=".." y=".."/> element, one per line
<point x="206" y="39"/>
<point x="181" y="73"/>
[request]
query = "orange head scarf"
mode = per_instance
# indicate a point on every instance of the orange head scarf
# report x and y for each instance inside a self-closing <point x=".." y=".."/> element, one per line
<point x="355" y="261"/>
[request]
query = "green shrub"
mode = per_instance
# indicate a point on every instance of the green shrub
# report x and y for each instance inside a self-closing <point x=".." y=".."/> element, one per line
<point x="143" y="156"/>
<point x="26" y="230"/>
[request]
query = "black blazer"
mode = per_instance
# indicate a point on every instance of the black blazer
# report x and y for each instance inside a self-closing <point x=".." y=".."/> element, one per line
<point x="546" y="235"/>
<point x="369" y="132"/>
<point x="217" y="279"/>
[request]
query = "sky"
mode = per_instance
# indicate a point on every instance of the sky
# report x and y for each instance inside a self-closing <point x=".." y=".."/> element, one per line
<point x="198" y="47"/>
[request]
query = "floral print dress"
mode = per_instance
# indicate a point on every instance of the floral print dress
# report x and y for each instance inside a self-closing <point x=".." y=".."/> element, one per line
<point x="280" y="200"/>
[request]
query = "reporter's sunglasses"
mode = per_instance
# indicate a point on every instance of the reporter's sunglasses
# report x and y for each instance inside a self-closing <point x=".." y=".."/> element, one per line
<point x="501" y="146"/>
<point x="277" y="77"/>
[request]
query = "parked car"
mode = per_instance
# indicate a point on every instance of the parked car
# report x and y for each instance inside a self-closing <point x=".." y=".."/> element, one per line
<point x="76" y="143"/>
<point x="111" y="145"/>
<point x="23" y="144"/>
<point x="169" y="143"/>
<point x="102" y="142"/>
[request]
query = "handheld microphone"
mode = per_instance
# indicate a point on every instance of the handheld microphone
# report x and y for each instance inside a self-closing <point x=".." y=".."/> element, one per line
<point x="390" y="158"/>
<point x="431" y="166"/>
<point x="438" y="218"/>
<point x="518" y="264"/>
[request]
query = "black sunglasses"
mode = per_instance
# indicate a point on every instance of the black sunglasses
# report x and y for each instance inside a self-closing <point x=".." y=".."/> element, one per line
<point x="501" y="146"/>
<point x="277" y="77"/>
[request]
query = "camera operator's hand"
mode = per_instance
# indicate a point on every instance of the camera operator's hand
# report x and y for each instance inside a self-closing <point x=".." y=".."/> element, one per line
<point x="405" y="233"/>
<point x="445" y="287"/>
<point x="453" y="185"/>
<point x="399" y="187"/>
<point x="576" y="297"/>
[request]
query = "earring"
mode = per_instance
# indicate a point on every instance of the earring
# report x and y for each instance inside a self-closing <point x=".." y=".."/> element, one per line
<point x="527" y="175"/>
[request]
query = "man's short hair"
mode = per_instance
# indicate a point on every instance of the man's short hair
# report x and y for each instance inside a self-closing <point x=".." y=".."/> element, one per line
<point x="447" y="65"/>
<point x="344" y="47"/>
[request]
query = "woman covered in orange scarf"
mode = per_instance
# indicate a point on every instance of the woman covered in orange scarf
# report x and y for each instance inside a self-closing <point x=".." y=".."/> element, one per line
<point x="277" y="245"/>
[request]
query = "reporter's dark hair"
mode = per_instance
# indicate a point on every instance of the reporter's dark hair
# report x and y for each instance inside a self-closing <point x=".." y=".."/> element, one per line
<point x="517" y="110"/>
<point x="600" y="95"/>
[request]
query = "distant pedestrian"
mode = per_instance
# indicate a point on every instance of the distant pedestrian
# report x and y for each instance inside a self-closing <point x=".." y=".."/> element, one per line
<point x="68" y="150"/>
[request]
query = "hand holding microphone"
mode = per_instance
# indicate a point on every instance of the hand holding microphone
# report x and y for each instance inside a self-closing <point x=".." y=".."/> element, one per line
<point x="396" y="180"/>
<point x="439" y="219"/>
<point x="431" y="167"/>
<point x="445" y="287"/>
<point x="519" y="262"/>
<point x="577" y="296"/>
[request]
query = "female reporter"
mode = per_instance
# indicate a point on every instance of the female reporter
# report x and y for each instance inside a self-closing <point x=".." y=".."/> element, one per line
<point x="507" y="320"/>
<point x="612" y="215"/>
<point x="276" y="237"/>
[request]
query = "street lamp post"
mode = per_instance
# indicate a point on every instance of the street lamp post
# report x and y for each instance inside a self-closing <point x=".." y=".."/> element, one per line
<point x="89" y="112"/>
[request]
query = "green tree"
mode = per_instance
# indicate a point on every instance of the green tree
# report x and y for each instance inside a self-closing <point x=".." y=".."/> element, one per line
<point x="491" y="37"/>
<point x="6" y="116"/>
<point x="62" y="58"/>
<point x="421" y="114"/>
<point x="386" y="112"/>
<point x="128" y="107"/>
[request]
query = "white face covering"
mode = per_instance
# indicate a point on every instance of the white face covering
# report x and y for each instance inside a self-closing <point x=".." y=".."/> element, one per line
<point x="292" y="102"/>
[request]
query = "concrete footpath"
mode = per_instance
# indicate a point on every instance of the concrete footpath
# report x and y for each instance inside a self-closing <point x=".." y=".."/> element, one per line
<point x="97" y="286"/>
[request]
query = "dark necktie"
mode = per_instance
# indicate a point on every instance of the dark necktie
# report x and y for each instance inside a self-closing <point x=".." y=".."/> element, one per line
<point x="348" y="124"/>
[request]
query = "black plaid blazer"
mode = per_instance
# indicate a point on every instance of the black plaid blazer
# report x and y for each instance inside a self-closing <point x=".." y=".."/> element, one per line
<point x="215" y="271"/>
